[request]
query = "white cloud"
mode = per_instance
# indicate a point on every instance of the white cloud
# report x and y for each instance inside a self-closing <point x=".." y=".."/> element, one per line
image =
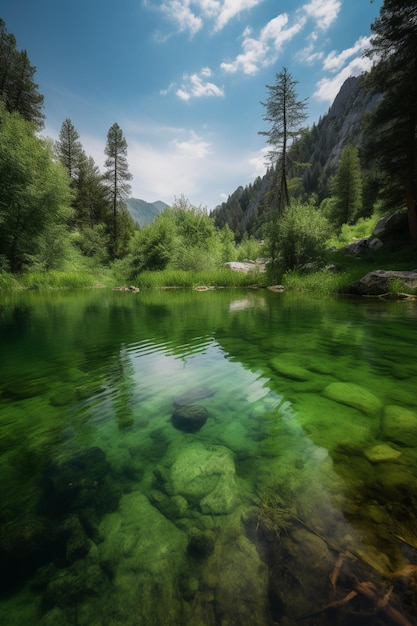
<point x="324" y="12"/>
<point x="195" y="148"/>
<point x="328" y="88"/>
<point x="335" y="61"/>
<point x="190" y="15"/>
<point x="231" y="8"/>
<point x="263" y="51"/>
<point x="179" y="11"/>
<point x="195" y="86"/>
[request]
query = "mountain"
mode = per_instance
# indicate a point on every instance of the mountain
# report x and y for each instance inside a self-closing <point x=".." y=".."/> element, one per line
<point x="314" y="159"/>
<point x="144" y="212"/>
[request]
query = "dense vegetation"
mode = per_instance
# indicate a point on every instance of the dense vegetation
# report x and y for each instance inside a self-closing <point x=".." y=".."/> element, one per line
<point x="62" y="221"/>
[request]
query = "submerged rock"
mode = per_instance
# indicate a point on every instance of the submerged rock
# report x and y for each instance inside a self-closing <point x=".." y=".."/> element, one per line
<point x="189" y="418"/>
<point x="400" y="425"/>
<point x="355" y="396"/>
<point x="25" y="544"/>
<point x="382" y="453"/>
<point x="290" y="370"/>
<point x="79" y="483"/>
<point x="192" y="395"/>
<point x="205" y="476"/>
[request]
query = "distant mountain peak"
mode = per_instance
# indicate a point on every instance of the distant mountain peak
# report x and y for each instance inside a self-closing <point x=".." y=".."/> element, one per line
<point x="144" y="212"/>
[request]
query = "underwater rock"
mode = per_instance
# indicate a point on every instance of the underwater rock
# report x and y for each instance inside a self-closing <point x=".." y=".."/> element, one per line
<point x="192" y="395"/>
<point x="200" y="543"/>
<point x="77" y="543"/>
<point x="70" y="586"/>
<point x="26" y="543"/>
<point x="205" y="475"/>
<point x="79" y="482"/>
<point x="355" y="396"/>
<point x="400" y="425"/>
<point x="382" y="453"/>
<point x="189" y="418"/>
<point x="173" y="508"/>
<point x="145" y="554"/>
<point x="290" y="370"/>
<point x="238" y="580"/>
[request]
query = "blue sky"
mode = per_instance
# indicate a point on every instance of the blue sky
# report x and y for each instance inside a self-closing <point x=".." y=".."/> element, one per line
<point x="185" y="79"/>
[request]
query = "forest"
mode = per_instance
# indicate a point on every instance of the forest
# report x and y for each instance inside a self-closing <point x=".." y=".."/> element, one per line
<point x="64" y="222"/>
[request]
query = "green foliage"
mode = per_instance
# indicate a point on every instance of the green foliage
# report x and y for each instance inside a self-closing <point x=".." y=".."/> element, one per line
<point x="182" y="237"/>
<point x="217" y="278"/>
<point x="18" y="90"/>
<point x="391" y="131"/>
<point x="56" y="280"/>
<point x="352" y="232"/>
<point x="93" y="241"/>
<point x="152" y="247"/>
<point x="298" y="237"/>
<point x="35" y="196"/>
<point x="347" y="188"/>
<point x="249" y="249"/>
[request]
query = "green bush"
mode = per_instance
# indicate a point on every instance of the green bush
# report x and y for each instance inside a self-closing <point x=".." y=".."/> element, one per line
<point x="298" y="237"/>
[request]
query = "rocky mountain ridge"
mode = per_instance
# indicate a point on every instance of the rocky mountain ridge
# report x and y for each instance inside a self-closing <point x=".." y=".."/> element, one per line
<point x="318" y="150"/>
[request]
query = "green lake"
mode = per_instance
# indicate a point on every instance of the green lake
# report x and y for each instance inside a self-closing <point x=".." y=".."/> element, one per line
<point x="214" y="458"/>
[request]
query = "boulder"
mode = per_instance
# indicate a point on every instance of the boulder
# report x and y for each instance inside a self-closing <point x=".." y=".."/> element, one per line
<point x="205" y="476"/>
<point x="394" y="224"/>
<point x="290" y="370"/>
<point x="364" y="246"/>
<point x="377" y="282"/>
<point x="245" y="267"/>
<point x="382" y="453"/>
<point x="355" y="396"/>
<point x="189" y="418"/>
<point x="78" y="483"/>
<point x="400" y="425"/>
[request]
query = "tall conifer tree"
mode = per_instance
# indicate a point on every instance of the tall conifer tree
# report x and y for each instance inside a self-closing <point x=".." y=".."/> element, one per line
<point x="392" y="130"/>
<point x="117" y="176"/>
<point x="348" y="187"/>
<point x="286" y="115"/>
<point x="18" y="89"/>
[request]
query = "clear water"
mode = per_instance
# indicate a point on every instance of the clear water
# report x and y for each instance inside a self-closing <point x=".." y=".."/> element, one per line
<point x="296" y="500"/>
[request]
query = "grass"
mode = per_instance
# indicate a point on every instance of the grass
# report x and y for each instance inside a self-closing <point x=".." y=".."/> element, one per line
<point x="55" y="280"/>
<point x="216" y="278"/>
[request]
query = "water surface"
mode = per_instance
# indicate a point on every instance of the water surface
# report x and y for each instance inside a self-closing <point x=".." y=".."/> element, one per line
<point x="295" y="500"/>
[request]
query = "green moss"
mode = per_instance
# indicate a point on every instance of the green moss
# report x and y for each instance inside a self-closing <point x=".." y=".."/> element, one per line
<point x="355" y="396"/>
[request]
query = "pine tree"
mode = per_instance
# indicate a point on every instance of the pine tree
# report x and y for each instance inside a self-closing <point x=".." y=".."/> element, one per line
<point x="347" y="188"/>
<point x="117" y="176"/>
<point x="392" y="129"/>
<point x="286" y="114"/>
<point x="18" y="89"/>
<point x="69" y="149"/>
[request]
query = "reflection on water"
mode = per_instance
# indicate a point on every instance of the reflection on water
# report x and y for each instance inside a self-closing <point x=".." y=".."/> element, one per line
<point x="293" y="498"/>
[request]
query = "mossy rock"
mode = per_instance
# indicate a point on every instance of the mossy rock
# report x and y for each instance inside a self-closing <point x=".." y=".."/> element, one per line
<point x="355" y="396"/>
<point x="290" y="370"/>
<point x="382" y="453"/>
<point x="189" y="418"/>
<point x="400" y="425"/>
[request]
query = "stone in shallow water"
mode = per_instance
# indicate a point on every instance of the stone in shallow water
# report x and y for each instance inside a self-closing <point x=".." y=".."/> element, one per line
<point x="400" y="425"/>
<point x="205" y="476"/>
<point x="290" y="370"/>
<point x="192" y="395"/>
<point x="189" y="418"/>
<point x="355" y="396"/>
<point x="382" y="453"/>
